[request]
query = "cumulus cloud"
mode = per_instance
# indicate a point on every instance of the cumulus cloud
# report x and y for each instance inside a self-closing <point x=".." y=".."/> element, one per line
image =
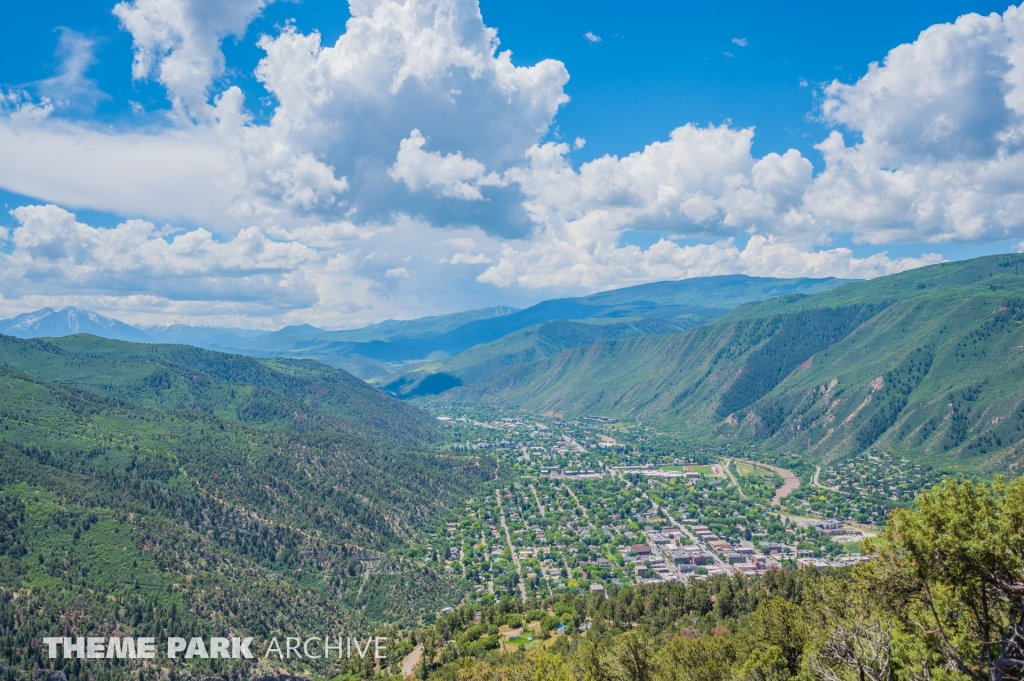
<point x="592" y="37"/>
<point x="469" y="259"/>
<point x="559" y="264"/>
<point x="941" y="122"/>
<point x="53" y="251"/>
<point x="342" y="113"/>
<point x="330" y="274"/>
<point x="450" y="175"/>
<point x="178" y="43"/>
<point x="700" y="181"/>
<point x="413" y="146"/>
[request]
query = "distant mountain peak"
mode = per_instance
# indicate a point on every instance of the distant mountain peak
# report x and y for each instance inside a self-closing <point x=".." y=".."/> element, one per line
<point x="299" y="330"/>
<point x="71" y="320"/>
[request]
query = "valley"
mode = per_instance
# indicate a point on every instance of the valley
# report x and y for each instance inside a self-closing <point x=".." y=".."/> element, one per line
<point x="537" y="481"/>
<point x="927" y="363"/>
<point x="590" y="504"/>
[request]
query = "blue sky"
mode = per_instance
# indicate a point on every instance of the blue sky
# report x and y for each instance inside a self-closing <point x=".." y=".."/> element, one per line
<point x="319" y="188"/>
<point x="657" y="65"/>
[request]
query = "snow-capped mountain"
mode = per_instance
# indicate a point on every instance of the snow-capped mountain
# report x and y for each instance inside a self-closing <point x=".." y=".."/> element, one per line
<point x="48" y="322"/>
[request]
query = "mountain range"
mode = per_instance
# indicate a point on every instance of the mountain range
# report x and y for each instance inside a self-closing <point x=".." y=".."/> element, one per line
<point x="376" y="351"/>
<point x="159" y="487"/>
<point x="928" y="363"/>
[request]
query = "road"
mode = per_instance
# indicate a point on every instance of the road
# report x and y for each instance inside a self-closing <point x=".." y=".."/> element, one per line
<point x="815" y="482"/>
<point x="725" y="465"/>
<point x="413" y="659"/>
<point x="508" y="538"/>
<point x="583" y="510"/>
<point x="536" y="498"/>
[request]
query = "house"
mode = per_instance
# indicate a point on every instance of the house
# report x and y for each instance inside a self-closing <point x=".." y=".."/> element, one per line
<point x="641" y="549"/>
<point x="812" y="562"/>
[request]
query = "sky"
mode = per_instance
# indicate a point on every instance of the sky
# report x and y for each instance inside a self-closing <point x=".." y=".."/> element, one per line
<point x="257" y="163"/>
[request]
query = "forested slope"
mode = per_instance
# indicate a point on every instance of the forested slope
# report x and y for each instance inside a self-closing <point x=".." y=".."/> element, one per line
<point x="483" y="362"/>
<point x="928" y="362"/>
<point x="300" y="395"/>
<point x="146" y="494"/>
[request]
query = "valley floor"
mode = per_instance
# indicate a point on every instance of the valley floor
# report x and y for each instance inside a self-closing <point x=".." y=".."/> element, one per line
<point x="584" y="505"/>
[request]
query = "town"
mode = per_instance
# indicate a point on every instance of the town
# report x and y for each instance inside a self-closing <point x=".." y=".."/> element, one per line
<point x="587" y="504"/>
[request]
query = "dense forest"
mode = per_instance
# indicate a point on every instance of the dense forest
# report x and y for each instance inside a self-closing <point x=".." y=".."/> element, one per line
<point x="144" y="493"/>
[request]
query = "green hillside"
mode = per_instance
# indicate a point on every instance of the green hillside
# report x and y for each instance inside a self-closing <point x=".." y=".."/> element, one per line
<point x="301" y="395"/>
<point x="558" y="325"/>
<point x="929" y="363"/>
<point x="376" y="351"/>
<point x="531" y="344"/>
<point x="171" y="489"/>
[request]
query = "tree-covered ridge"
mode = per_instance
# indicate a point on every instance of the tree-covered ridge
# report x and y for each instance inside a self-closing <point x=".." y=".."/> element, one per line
<point x="798" y="336"/>
<point x="928" y="364"/>
<point x="533" y="343"/>
<point x="117" y="515"/>
<point x="299" y="395"/>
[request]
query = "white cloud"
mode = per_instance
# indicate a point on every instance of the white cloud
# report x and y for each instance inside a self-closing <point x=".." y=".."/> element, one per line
<point x="592" y="37"/>
<point x="585" y="264"/>
<point x="412" y="143"/>
<point x="341" y="114"/>
<point x="702" y="180"/>
<point x="331" y="274"/>
<point x="450" y="175"/>
<point x="178" y="42"/>
<point x="18" y="108"/>
<point x="170" y="175"/>
<point x="305" y="183"/>
<point x="742" y="42"/>
<point x="53" y="252"/>
<point x="70" y="87"/>
<point x="469" y="259"/>
<point x="941" y="122"/>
